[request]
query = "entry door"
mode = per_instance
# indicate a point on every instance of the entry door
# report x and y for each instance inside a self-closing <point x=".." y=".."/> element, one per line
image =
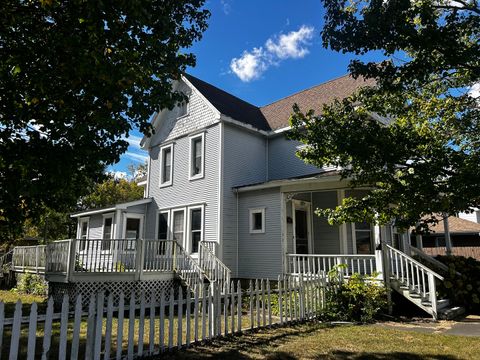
<point x="301" y="226"/>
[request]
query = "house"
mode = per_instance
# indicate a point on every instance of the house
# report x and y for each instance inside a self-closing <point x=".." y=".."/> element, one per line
<point x="226" y="197"/>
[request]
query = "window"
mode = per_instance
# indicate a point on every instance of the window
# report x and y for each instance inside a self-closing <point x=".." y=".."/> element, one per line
<point x="178" y="226"/>
<point x="132" y="232"/>
<point x="257" y="220"/>
<point x="163" y="226"/>
<point x="363" y="238"/>
<point x="107" y="232"/>
<point x="166" y="165"/>
<point x="196" y="156"/>
<point x="83" y="233"/>
<point x="195" y="229"/>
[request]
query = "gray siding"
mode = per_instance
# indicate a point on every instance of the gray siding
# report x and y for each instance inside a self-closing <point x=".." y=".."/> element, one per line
<point x="184" y="191"/>
<point x="244" y="162"/>
<point x="326" y="236"/>
<point x="282" y="161"/>
<point x="260" y="255"/>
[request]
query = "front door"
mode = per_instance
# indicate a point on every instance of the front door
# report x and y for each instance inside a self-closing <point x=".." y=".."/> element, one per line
<point x="301" y="226"/>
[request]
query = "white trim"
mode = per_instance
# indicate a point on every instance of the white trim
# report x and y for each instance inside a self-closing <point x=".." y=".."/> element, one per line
<point x="241" y="124"/>
<point x="220" y="193"/>
<point x="149" y="166"/>
<point x="128" y="215"/>
<point x="187" y="110"/>
<point x="283" y="182"/>
<point x="180" y="206"/>
<point x="158" y="212"/>
<point x="251" y="212"/>
<point x="123" y="206"/>
<point x="162" y="150"/>
<point x="307" y="207"/>
<point x="188" y="244"/>
<point x="201" y="174"/>
<point x="354" y="238"/>
<point x="171" y="229"/>
<point x="200" y="95"/>
<point x="342" y="229"/>
<point x="79" y="226"/>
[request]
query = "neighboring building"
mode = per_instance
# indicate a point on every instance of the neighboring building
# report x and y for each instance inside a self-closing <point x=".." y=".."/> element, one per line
<point x="474" y="215"/>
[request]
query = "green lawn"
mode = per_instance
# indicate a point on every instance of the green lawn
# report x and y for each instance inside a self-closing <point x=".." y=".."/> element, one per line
<point x="11" y="297"/>
<point x="317" y="341"/>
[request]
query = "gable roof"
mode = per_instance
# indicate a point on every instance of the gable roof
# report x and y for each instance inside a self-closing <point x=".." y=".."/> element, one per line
<point x="230" y="105"/>
<point x="278" y="113"/>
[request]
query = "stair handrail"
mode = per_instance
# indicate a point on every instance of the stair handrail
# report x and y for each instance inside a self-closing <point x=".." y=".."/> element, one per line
<point x="412" y="273"/>
<point x="417" y="263"/>
<point x="187" y="268"/>
<point x="4" y="259"/>
<point x="213" y="267"/>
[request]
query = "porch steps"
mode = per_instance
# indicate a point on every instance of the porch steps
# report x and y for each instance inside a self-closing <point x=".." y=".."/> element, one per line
<point x="444" y="308"/>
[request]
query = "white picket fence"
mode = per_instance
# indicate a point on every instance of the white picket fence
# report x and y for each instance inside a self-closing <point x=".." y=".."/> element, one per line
<point x="177" y="319"/>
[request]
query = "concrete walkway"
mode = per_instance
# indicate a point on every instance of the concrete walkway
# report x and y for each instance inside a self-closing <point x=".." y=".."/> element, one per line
<point x="467" y="326"/>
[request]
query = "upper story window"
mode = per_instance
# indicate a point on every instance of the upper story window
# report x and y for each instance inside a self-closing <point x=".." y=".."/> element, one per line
<point x="257" y="220"/>
<point x="166" y="165"/>
<point x="197" y="156"/>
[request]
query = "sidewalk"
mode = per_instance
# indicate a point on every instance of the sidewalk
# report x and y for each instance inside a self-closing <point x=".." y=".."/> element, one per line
<point x="467" y="326"/>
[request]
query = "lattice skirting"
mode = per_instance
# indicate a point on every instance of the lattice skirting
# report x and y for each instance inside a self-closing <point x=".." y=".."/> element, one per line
<point x="86" y="289"/>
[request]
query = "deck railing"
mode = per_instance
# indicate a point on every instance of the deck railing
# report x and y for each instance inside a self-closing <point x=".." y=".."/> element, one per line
<point x="29" y="259"/>
<point x="314" y="264"/>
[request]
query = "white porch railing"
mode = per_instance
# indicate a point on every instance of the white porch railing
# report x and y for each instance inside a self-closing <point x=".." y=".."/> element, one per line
<point x="214" y="269"/>
<point x="29" y="259"/>
<point x="313" y="263"/>
<point x="415" y="276"/>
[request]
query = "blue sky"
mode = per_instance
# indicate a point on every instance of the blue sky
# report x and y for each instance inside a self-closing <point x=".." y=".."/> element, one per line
<point x="260" y="51"/>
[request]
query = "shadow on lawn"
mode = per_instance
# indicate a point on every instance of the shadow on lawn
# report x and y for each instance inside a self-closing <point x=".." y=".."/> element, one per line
<point x="344" y="355"/>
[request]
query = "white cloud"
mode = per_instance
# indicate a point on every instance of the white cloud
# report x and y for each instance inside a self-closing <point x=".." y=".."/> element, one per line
<point x="226" y="6"/>
<point x="136" y="156"/>
<point x="118" y="174"/>
<point x="475" y="91"/>
<point x="293" y="45"/>
<point x="133" y="141"/>
<point x="250" y="65"/>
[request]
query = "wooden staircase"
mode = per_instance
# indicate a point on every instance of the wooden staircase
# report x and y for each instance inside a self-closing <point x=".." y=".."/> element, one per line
<point x="417" y="283"/>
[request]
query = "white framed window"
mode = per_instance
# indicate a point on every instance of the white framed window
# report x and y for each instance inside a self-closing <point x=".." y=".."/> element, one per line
<point x="166" y="165"/>
<point x="257" y="220"/>
<point x="362" y="236"/>
<point x="178" y="226"/>
<point x="195" y="228"/>
<point x="107" y="232"/>
<point x="132" y="229"/>
<point x="83" y="229"/>
<point x="163" y="225"/>
<point x="197" y="156"/>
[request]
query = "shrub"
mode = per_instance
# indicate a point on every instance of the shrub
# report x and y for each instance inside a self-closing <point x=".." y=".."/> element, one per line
<point x="31" y="284"/>
<point x="360" y="298"/>
<point x="464" y="289"/>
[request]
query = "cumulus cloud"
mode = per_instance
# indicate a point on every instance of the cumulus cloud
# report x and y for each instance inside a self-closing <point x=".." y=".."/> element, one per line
<point x="475" y="91"/>
<point x="117" y="175"/>
<point x="293" y="45"/>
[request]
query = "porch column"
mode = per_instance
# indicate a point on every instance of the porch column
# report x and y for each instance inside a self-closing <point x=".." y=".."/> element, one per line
<point x="448" y="240"/>
<point x="378" y="250"/>
<point x="419" y="240"/>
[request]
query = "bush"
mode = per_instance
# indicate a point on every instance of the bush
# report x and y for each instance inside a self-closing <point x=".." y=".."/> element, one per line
<point x="464" y="289"/>
<point x="359" y="299"/>
<point x="31" y="284"/>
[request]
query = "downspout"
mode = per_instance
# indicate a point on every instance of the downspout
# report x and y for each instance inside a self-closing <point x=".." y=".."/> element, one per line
<point x="266" y="160"/>
<point x="236" y="193"/>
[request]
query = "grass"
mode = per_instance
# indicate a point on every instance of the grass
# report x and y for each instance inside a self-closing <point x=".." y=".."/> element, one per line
<point x="11" y="297"/>
<point x="320" y="341"/>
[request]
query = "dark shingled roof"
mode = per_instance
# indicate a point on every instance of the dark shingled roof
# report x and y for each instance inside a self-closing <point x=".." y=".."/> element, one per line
<point x="230" y="105"/>
<point x="276" y="115"/>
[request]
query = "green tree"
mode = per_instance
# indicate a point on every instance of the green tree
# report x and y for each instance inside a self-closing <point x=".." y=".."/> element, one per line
<point x="111" y="192"/>
<point x="414" y="136"/>
<point x="75" y="77"/>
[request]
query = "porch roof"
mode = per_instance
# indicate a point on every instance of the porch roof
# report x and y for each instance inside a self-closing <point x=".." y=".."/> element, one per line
<point x="121" y="206"/>
<point x="325" y="175"/>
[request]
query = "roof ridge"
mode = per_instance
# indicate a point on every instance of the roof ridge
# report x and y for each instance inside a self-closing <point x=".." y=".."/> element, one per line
<point x="226" y="92"/>
<point x="304" y="90"/>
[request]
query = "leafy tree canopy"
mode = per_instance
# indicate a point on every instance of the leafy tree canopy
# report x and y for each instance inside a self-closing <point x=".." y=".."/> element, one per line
<point x="414" y="137"/>
<point x="75" y="77"/>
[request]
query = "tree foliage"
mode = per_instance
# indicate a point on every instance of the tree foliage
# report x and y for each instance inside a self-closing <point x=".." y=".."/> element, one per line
<point x="413" y="137"/>
<point x="75" y="77"/>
